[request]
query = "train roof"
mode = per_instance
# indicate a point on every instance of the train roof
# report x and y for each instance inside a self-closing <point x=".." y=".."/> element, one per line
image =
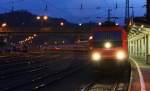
<point x="107" y="28"/>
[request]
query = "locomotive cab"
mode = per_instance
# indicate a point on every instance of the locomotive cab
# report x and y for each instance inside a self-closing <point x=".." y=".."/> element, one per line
<point x="108" y="47"/>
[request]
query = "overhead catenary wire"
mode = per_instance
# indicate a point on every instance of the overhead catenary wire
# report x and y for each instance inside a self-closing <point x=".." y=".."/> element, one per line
<point x="106" y="2"/>
<point x="65" y="10"/>
<point x="60" y="10"/>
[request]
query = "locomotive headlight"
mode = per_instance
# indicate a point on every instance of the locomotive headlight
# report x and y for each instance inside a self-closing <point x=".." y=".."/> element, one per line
<point x="121" y="55"/>
<point x="96" y="56"/>
<point x="108" y="45"/>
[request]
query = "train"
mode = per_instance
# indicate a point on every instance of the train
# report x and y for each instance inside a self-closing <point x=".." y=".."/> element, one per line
<point x="108" y="48"/>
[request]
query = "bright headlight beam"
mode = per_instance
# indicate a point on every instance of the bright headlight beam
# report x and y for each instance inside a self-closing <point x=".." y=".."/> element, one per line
<point x="108" y="45"/>
<point x="121" y="55"/>
<point x="96" y="56"/>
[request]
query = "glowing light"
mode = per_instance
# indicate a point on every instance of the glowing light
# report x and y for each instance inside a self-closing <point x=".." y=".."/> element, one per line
<point x="35" y="35"/>
<point x="139" y="29"/>
<point x="96" y="56"/>
<point x="4" y="24"/>
<point x="62" y="24"/>
<point x="108" y="45"/>
<point x="45" y="17"/>
<point x="26" y="40"/>
<point x="38" y="17"/>
<point x="30" y="37"/>
<point x="91" y="37"/>
<point x="80" y="24"/>
<point x="121" y="55"/>
<point x="99" y="23"/>
<point x="117" y="24"/>
<point x="142" y="26"/>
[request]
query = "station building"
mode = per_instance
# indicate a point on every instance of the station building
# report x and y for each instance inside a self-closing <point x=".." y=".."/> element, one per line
<point x="139" y="39"/>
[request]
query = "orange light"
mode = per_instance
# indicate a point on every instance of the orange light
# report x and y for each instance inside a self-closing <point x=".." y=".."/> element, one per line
<point x="91" y="37"/>
<point x="30" y="37"/>
<point x="121" y="55"/>
<point x="45" y="17"/>
<point x="4" y="24"/>
<point x="35" y="35"/>
<point x="130" y="23"/>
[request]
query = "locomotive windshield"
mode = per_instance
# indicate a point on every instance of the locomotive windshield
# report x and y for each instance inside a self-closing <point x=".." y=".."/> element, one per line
<point x="102" y="37"/>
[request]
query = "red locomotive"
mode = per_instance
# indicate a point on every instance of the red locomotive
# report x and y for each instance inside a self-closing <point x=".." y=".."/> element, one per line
<point x="108" y="46"/>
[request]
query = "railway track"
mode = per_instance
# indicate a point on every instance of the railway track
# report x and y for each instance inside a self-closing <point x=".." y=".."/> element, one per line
<point x="107" y="86"/>
<point x="44" y="80"/>
<point x="40" y="75"/>
<point x="109" y="83"/>
<point x="26" y="67"/>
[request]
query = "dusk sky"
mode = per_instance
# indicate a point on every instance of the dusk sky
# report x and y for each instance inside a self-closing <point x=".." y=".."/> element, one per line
<point x="70" y="9"/>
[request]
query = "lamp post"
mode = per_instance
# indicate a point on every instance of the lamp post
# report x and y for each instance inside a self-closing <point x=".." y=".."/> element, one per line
<point x="42" y="19"/>
<point x="99" y="24"/>
<point x="80" y="24"/>
<point x="38" y="17"/>
<point x="45" y="17"/>
<point x="4" y="25"/>
<point x="62" y="24"/>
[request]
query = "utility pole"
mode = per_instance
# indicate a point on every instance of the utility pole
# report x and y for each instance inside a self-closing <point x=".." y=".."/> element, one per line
<point x="109" y="15"/>
<point x="132" y="14"/>
<point x="81" y="7"/>
<point x="148" y="9"/>
<point x="127" y="11"/>
<point x="12" y="7"/>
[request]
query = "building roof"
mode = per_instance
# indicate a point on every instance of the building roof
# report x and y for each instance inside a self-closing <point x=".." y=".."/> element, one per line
<point x="142" y="21"/>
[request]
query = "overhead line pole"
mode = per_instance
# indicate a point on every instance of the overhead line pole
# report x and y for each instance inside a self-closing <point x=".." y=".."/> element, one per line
<point x="148" y="9"/>
<point x="127" y="11"/>
<point x="12" y="7"/>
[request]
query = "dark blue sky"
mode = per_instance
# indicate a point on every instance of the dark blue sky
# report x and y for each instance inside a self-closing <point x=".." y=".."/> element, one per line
<point x="70" y="9"/>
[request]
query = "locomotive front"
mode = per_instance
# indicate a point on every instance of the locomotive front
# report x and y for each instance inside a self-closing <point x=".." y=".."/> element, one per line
<point x="108" y="47"/>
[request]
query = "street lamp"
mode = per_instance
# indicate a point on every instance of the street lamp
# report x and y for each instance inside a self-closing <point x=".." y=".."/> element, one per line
<point x="61" y="24"/>
<point x="4" y="25"/>
<point x="35" y="35"/>
<point x="80" y="24"/>
<point x="117" y="24"/>
<point x="99" y="23"/>
<point x="42" y="19"/>
<point x="45" y="17"/>
<point x="38" y="17"/>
